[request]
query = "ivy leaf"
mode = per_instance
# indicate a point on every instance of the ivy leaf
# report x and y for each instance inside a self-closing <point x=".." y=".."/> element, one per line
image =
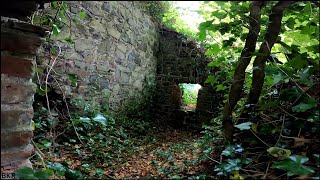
<point x="55" y="4"/>
<point x="236" y="175"/>
<point x="85" y="120"/>
<point x="279" y="152"/>
<point x="298" y="62"/>
<point x="57" y="167"/>
<point x="231" y="149"/>
<point x="211" y="79"/>
<point x="69" y="40"/>
<point x="304" y="106"/>
<point x="294" y="165"/>
<point x="204" y="25"/>
<point x="305" y="76"/>
<point x="220" y="14"/>
<point x="290" y="23"/>
<point x="214" y="49"/>
<point x="25" y="173"/>
<point x="175" y="176"/>
<point x="42" y="92"/>
<point x="246" y="160"/>
<point x="228" y="151"/>
<point x="202" y="35"/>
<point x="243" y="126"/>
<point x="277" y="78"/>
<point x="55" y="30"/>
<point x="307" y="9"/>
<point x="221" y="87"/>
<point x="73" y="79"/>
<point x="101" y="119"/>
<point x="82" y="15"/>
<point x="46" y="143"/>
<point x="44" y="174"/>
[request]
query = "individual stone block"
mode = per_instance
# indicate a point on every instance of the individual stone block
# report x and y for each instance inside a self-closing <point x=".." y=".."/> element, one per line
<point x="15" y="66"/>
<point x="14" y="90"/>
<point x="15" y="116"/>
<point x="11" y="139"/>
<point x="19" y="42"/>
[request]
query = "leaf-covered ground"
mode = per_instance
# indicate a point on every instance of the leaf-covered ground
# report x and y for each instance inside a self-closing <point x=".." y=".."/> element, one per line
<point x="177" y="144"/>
<point x="170" y="153"/>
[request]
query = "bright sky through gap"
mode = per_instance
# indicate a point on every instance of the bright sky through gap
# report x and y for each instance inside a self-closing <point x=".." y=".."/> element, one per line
<point x="186" y="10"/>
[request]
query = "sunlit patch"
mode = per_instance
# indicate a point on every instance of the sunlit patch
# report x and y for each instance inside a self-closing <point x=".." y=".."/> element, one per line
<point x="189" y="96"/>
<point x="188" y="12"/>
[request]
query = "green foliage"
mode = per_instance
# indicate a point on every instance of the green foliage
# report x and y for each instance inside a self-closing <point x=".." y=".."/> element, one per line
<point x="157" y="9"/>
<point x="294" y="165"/>
<point x="82" y="15"/>
<point x="279" y="152"/>
<point x="231" y="166"/>
<point x="189" y="94"/>
<point x="29" y="173"/>
<point x="287" y="108"/>
<point x="306" y="104"/>
<point x="244" y="126"/>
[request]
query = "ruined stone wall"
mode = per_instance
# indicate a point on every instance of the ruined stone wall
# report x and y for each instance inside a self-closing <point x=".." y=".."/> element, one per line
<point x="181" y="61"/>
<point x="19" y="44"/>
<point x="113" y="56"/>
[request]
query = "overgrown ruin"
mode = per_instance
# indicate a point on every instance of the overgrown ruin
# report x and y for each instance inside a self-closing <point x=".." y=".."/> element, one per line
<point x="119" y="51"/>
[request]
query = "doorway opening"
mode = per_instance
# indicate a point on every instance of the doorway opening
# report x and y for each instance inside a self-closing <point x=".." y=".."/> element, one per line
<point x="189" y="96"/>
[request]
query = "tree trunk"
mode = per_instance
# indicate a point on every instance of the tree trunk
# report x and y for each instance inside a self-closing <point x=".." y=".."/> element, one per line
<point x="239" y="75"/>
<point x="264" y="52"/>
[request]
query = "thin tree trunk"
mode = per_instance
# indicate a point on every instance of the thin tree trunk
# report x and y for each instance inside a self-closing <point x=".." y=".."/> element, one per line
<point x="264" y="52"/>
<point x="239" y="75"/>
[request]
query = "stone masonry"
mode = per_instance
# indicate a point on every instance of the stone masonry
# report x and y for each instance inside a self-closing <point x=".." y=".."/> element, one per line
<point x="118" y="52"/>
<point x="181" y="61"/>
<point x="113" y="55"/>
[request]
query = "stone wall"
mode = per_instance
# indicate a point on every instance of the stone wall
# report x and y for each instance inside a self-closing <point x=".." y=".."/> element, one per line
<point x="19" y="44"/>
<point x="113" y="56"/>
<point x="181" y="61"/>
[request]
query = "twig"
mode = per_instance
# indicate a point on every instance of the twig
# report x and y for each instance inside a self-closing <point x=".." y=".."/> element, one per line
<point x="280" y="176"/>
<point x="260" y="138"/>
<point x="268" y="118"/>
<point x="248" y="170"/>
<point x="39" y="153"/>
<point x="212" y="159"/>
<point x="265" y="175"/>
<point x="65" y="101"/>
<point x="299" y="132"/>
<point x="48" y="73"/>
<point x="283" y="118"/>
<point x="290" y="114"/>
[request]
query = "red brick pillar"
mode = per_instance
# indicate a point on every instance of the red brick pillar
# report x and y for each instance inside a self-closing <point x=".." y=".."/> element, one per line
<point x="19" y="44"/>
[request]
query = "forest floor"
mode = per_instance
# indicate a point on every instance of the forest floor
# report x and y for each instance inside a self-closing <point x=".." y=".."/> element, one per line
<point x="171" y="153"/>
<point x="178" y="145"/>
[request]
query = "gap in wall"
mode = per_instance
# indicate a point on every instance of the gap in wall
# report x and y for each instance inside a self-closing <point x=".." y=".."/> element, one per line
<point x="189" y="96"/>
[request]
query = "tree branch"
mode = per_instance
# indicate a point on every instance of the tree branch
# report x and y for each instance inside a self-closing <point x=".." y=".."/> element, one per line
<point x="265" y="49"/>
<point x="243" y="62"/>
